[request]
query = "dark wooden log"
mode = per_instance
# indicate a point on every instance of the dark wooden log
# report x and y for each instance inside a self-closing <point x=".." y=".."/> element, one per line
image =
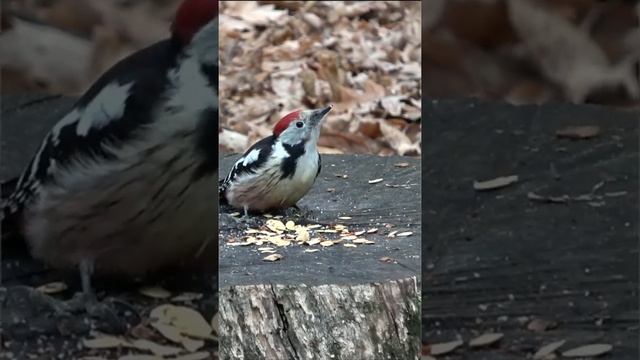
<point x="496" y="260"/>
<point x="339" y="302"/>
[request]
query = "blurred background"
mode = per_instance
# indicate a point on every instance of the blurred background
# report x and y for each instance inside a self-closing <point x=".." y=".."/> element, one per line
<point x="363" y="57"/>
<point x="523" y="52"/>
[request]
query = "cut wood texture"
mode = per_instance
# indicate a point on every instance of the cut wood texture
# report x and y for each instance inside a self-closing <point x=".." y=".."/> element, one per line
<point x="337" y="302"/>
<point x="538" y="260"/>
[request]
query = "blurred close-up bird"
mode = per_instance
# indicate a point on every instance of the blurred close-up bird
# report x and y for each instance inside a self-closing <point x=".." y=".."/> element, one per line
<point x="125" y="182"/>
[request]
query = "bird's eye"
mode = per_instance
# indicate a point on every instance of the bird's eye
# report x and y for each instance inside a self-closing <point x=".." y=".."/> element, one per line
<point x="299" y="124"/>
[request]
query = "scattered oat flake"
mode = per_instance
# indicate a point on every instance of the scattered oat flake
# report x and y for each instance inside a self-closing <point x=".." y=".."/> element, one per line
<point x="314" y="226"/>
<point x="588" y="350"/>
<point x="578" y="132"/>
<point x="331" y="190"/>
<point x="272" y="257"/>
<point x="311" y="250"/>
<point x="268" y="216"/>
<point x="156" y="349"/>
<point x="375" y="181"/>
<point x="314" y="241"/>
<point x="349" y="237"/>
<point x="359" y="233"/>
<point x="404" y="234"/>
<point x="235" y="214"/>
<point x="172" y="333"/>
<point x="445" y="348"/>
<point x="195" y="356"/>
<point x="186" y="320"/>
<point x="326" y="243"/>
<point x="485" y="339"/>
<point x="371" y="231"/>
<point x="139" y="357"/>
<point x="52" y="288"/>
<point x="350" y="245"/>
<point x="302" y="234"/>
<point x="344" y="217"/>
<point x="105" y="342"/>
<point x="362" y="241"/>
<point x="401" y="164"/>
<point x="215" y="323"/>
<point x="187" y="296"/>
<point x="327" y="231"/>
<point x="386" y="259"/>
<point x="276" y="225"/>
<point x="548" y="349"/>
<point x="155" y="292"/>
<point x="392" y="234"/>
<point x="495" y="183"/>
<point x="290" y="225"/>
<point x="244" y="243"/>
<point x="265" y="249"/>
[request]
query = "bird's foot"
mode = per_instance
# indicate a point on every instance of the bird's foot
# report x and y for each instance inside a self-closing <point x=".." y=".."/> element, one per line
<point x="299" y="214"/>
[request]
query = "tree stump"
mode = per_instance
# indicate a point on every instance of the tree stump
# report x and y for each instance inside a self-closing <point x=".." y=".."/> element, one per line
<point x="339" y="302"/>
<point x="553" y="256"/>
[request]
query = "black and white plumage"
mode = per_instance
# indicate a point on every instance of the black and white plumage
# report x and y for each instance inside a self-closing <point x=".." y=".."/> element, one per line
<point x="278" y="170"/>
<point x="125" y="181"/>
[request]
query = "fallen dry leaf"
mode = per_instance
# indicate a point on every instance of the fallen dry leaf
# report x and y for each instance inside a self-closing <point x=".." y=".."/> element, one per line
<point x="541" y="325"/>
<point x="272" y="257"/>
<point x="545" y="351"/>
<point x="496" y="183"/>
<point x="578" y="132"/>
<point x="485" y="339"/>
<point x="52" y="288"/>
<point x="445" y="348"/>
<point x="588" y="350"/>
<point x="155" y="292"/>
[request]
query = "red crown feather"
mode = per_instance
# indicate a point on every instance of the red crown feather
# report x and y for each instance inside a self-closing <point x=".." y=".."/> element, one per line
<point x="285" y="121"/>
<point x="191" y="16"/>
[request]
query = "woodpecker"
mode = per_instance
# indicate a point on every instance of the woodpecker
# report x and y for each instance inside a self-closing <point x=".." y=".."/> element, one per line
<point x="125" y="182"/>
<point x="278" y="170"/>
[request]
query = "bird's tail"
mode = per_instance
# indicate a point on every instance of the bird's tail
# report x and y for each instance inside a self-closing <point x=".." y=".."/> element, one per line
<point x="10" y="223"/>
<point x="221" y="192"/>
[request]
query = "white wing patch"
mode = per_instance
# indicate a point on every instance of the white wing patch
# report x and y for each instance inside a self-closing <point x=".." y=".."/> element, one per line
<point x="251" y="157"/>
<point x="109" y="104"/>
<point x="68" y="119"/>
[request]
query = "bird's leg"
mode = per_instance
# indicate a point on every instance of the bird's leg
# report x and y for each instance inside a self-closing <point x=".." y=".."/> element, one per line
<point x="86" y="270"/>
<point x="246" y="211"/>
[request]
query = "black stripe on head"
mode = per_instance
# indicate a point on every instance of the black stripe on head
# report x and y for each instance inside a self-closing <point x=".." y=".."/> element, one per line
<point x="211" y="73"/>
<point x="289" y="164"/>
<point x="207" y="143"/>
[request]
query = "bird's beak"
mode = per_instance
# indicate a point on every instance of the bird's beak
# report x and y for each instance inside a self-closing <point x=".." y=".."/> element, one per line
<point x="318" y="115"/>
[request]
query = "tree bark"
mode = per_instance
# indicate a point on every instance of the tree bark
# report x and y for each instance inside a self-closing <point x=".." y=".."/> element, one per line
<point x="358" y="321"/>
